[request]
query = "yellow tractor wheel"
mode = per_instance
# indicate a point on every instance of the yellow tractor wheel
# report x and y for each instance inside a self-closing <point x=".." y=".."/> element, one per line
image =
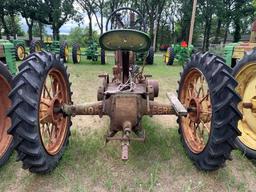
<point x="245" y="74"/>
<point x="35" y="46"/>
<point x="20" y="53"/>
<point x="169" y="56"/>
<point x="64" y="51"/>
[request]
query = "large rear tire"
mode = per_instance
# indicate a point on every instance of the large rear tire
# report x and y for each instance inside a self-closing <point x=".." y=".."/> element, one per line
<point x="245" y="74"/>
<point x="35" y="46"/>
<point x="40" y="133"/>
<point x="169" y="56"/>
<point x="208" y="132"/>
<point x="102" y="57"/>
<point x="76" y="53"/>
<point x="64" y="52"/>
<point x="150" y="56"/>
<point x="6" y="141"/>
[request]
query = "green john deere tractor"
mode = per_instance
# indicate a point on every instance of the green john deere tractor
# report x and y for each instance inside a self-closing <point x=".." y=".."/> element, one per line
<point x="20" y="49"/>
<point x="149" y="59"/>
<point x="91" y="53"/>
<point x="51" y="46"/>
<point x="181" y="52"/>
<point x="7" y="68"/>
<point x="7" y="55"/>
<point x="236" y="51"/>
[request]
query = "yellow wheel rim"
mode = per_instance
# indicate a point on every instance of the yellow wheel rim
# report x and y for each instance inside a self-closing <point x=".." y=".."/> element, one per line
<point x="78" y="55"/>
<point x="38" y="47"/>
<point x="66" y="53"/>
<point x="247" y="89"/>
<point x="166" y="57"/>
<point x="21" y="52"/>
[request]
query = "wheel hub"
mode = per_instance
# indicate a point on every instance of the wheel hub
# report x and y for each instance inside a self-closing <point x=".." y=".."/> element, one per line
<point x="194" y="110"/>
<point x="47" y="113"/>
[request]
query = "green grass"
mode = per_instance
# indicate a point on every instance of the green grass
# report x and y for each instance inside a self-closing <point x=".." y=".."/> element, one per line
<point x="158" y="164"/>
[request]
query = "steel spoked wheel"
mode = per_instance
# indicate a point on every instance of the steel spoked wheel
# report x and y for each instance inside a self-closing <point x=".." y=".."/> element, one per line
<point x="6" y="144"/>
<point x="196" y="98"/>
<point x="5" y="103"/>
<point x="245" y="74"/>
<point x="53" y="126"/>
<point x="42" y="132"/>
<point x="208" y="132"/>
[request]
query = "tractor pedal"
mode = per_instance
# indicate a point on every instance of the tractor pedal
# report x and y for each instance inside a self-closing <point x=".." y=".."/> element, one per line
<point x="176" y="104"/>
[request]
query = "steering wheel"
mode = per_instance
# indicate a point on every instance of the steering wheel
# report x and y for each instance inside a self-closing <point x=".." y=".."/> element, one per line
<point x="126" y="18"/>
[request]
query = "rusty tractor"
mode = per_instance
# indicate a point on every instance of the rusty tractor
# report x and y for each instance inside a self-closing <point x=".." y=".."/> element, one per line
<point x="6" y="141"/>
<point x="42" y="108"/>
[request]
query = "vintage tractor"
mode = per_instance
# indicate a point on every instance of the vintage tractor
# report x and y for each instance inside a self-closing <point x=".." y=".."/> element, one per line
<point x="51" y="46"/>
<point x="140" y="57"/>
<point x="245" y="74"/>
<point x="20" y="49"/>
<point x="91" y="52"/>
<point x="42" y="108"/>
<point x="235" y="51"/>
<point x="6" y="140"/>
<point x="181" y="52"/>
<point x="7" y="55"/>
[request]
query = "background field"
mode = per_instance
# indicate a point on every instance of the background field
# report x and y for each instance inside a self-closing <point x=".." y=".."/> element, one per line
<point x="159" y="164"/>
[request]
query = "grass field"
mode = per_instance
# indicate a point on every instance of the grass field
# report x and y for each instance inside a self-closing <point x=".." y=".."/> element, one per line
<point x="160" y="164"/>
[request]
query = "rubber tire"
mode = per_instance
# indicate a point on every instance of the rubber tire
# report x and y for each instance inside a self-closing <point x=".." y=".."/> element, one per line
<point x="62" y="51"/>
<point x="75" y="49"/>
<point x="16" y="52"/>
<point x="102" y="57"/>
<point x="225" y="113"/>
<point x="171" y="54"/>
<point x="33" y="43"/>
<point x="248" y="58"/>
<point x="24" y="112"/>
<point x="7" y="75"/>
<point x="150" y="56"/>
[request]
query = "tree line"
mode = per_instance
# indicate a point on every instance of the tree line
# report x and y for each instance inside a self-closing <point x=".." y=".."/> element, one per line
<point x="167" y="20"/>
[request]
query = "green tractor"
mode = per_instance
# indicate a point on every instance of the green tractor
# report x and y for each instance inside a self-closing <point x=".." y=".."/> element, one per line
<point x="181" y="52"/>
<point x="7" y="69"/>
<point x="20" y="49"/>
<point x="236" y="51"/>
<point x="91" y="53"/>
<point x="51" y="46"/>
<point x="7" y="55"/>
<point x="149" y="59"/>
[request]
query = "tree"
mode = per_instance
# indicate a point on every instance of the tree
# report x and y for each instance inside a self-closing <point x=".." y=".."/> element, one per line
<point x="8" y="8"/>
<point x="55" y="13"/>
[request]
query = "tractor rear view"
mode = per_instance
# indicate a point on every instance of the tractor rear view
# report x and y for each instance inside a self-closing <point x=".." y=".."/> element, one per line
<point x="206" y="104"/>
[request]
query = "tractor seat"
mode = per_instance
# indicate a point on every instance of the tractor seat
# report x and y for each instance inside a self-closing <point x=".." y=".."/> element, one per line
<point x="125" y="39"/>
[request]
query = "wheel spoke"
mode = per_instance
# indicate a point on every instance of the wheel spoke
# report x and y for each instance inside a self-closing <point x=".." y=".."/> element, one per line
<point x="48" y="92"/>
